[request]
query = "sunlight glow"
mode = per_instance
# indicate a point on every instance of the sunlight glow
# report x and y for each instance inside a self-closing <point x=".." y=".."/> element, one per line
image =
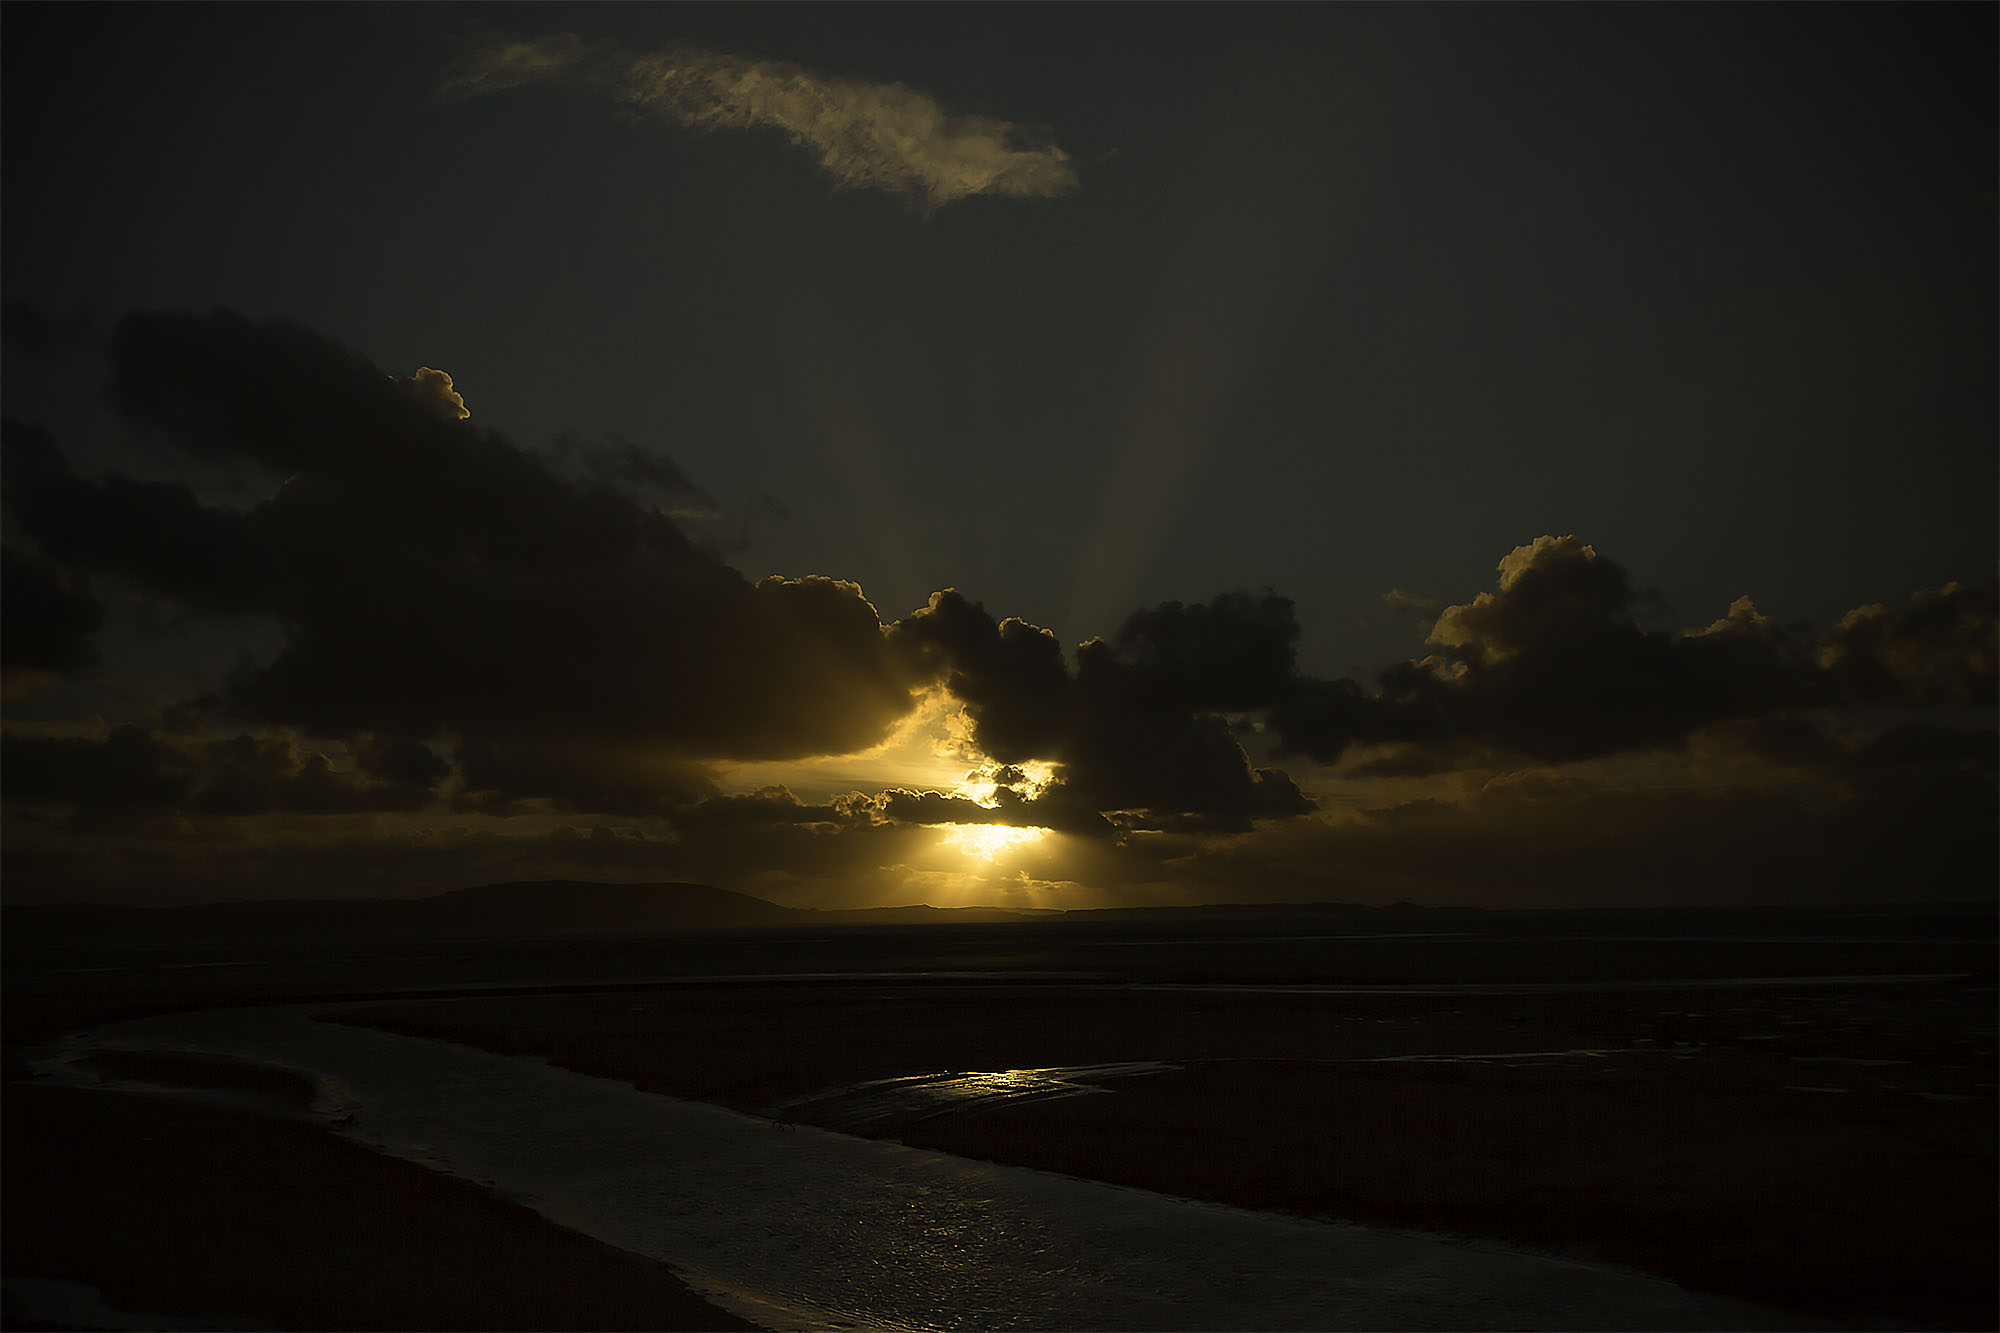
<point x="982" y="787"/>
<point x="987" y="841"/>
<point x="981" y="784"/>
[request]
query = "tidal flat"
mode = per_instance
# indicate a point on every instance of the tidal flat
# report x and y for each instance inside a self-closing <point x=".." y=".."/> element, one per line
<point x="1824" y="1147"/>
<point x="1802" y="1117"/>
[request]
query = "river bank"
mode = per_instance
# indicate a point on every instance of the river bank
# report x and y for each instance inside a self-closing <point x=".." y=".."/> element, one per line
<point x="1820" y="1147"/>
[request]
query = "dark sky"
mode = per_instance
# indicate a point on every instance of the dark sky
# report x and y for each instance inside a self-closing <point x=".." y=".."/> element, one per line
<point x="1250" y="341"/>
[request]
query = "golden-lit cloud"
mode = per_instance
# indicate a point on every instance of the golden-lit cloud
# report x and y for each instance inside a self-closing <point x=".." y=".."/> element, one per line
<point x="434" y="386"/>
<point x="1743" y="618"/>
<point x="1472" y="623"/>
<point x="982" y="786"/>
<point x="864" y="135"/>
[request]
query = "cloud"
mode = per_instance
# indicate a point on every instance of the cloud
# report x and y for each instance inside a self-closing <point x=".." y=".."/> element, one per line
<point x="1943" y="649"/>
<point x="457" y="627"/>
<point x="256" y="775"/>
<point x="576" y="772"/>
<point x="158" y="534"/>
<point x="1409" y="603"/>
<point x="1533" y="840"/>
<point x="434" y="387"/>
<point x="1138" y="726"/>
<point x="1556" y="666"/>
<point x="46" y="619"/>
<point x="133" y="769"/>
<point x="432" y="580"/>
<point x="621" y="465"/>
<point x="129" y="767"/>
<point x="864" y="135"/>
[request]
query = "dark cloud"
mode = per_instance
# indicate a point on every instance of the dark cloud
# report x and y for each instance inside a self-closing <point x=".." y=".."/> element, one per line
<point x="1540" y="838"/>
<point x="35" y="335"/>
<point x="46" y="619"/>
<point x="1142" y="746"/>
<point x="931" y="807"/>
<point x="772" y="805"/>
<point x="257" y="775"/>
<point x="1821" y="745"/>
<point x="1233" y="653"/>
<point x="399" y="761"/>
<point x="1942" y="649"/>
<point x="1557" y="665"/>
<point x="1919" y="745"/>
<point x="1786" y="740"/>
<point x="157" y="534"/>
<point x="616" y="462"/>
<point x="136" y="770"/>
<point x="127" y="768"/>
<point x="576" y="772"/>
<point x="433" y="580"/>
<point x="1010" y="675"/>
<point x="1408" y="603"/>
<point x="464" y="626"/>
<point x="1138" y="725"/>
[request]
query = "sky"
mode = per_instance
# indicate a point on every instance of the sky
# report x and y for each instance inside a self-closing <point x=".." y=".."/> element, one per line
<point x="1001" y="454"/>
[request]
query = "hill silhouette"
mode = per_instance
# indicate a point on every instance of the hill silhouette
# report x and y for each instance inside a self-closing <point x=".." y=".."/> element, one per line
<point x="491" y="911"/>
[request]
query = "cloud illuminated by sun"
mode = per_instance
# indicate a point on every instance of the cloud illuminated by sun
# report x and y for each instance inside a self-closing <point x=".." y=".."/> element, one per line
<point x="981" y="785"/>
<point x="1027" y="780"/>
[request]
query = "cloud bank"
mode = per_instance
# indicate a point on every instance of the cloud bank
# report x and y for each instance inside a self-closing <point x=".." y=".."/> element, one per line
<point x="431" y="580"/>
<point x="881" y="136"/>
<point x="474" y="661"/>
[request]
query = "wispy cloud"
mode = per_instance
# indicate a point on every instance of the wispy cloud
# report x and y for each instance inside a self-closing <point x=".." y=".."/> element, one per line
<point x="882" y="136"/>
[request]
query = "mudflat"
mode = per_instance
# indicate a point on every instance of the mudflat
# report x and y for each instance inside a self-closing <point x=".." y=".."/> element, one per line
<point x="1601" y="1085"/>
<point x="1824" y="1147"/>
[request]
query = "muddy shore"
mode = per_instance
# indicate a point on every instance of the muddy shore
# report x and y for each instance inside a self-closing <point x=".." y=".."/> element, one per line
<point x="1824" y="1149"/>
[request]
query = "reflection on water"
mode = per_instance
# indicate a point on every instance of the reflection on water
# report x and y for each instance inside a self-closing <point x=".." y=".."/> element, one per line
<point x="813" y="1229"/>
<point x="918" y="1096"/>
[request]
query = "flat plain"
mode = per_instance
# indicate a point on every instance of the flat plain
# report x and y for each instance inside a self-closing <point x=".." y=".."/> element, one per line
<point x="1800" y="1112"/>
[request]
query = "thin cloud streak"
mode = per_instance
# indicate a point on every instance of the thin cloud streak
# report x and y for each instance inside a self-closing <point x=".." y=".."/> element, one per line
<point x="882" y="136"/>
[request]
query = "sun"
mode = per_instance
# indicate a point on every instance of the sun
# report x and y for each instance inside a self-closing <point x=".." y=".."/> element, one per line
<point x="988" y="841"/>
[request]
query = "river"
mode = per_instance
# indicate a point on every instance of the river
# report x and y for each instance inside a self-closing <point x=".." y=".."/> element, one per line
<point x="800" y="1228"/>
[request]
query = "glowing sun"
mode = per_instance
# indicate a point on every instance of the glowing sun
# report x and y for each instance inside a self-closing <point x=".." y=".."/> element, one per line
<point x="987" y="841"/>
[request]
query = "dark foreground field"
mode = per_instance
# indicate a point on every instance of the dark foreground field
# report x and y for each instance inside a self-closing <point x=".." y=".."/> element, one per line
<point x="1828" y="1147"/>
<point x="227" y="1218"/>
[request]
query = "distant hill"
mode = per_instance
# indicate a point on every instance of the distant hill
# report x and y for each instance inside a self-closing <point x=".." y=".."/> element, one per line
<point x="492" y="911"/>
<point x="579" y="908"/>
<point x="923" y="914"/>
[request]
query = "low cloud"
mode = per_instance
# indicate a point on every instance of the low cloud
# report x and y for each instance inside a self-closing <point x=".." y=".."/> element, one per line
<point x="1556" y="665"/>
<point x="46" y="619"/>
<point x="1941" y="649"/>
<point x="449" y="625"/>
<point x="863" y="135"/>
<point x="134" y="770"/>
<point x="1409" y="603"/>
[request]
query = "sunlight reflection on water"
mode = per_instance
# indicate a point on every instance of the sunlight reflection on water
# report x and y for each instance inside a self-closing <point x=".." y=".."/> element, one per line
<point x="916" y="1096"/>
